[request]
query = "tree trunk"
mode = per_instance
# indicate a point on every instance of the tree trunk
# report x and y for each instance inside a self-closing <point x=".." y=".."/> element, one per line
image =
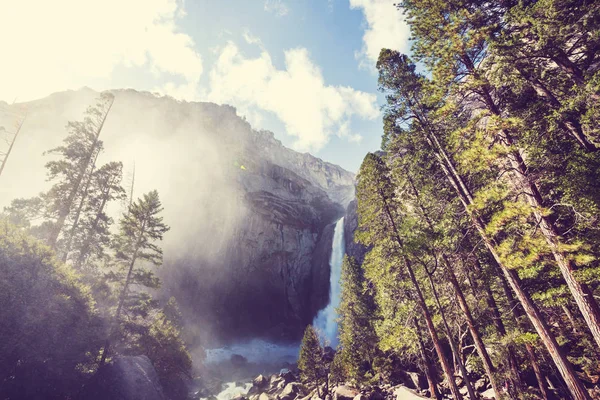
<point x="497" y="318"/>
<point x="479" y="345"/>
<point x="78" y="212"/>
<point x="123" y="294"/>
<point x="427" y="367"/>
<point x="12" y="144"/>
<point x="581" y="292"/>
<point x="66" y="208"/>
<point x="562" y="364"/>
<point x="516" y="311"/>
<point x="433" y="333"/>
<point x="451" y="341"/>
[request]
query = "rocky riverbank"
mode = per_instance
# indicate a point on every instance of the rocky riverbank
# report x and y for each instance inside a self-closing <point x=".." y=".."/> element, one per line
<point x="286" y="385"/>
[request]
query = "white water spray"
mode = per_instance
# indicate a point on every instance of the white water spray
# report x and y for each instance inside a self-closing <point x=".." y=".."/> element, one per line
<point x="326" y="320"/>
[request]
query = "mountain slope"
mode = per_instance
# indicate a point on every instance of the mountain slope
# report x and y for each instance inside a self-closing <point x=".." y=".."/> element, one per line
<point x="251" y="233"/>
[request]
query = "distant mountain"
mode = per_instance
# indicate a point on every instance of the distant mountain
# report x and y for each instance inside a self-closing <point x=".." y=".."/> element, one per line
<point x="251" y="220"/>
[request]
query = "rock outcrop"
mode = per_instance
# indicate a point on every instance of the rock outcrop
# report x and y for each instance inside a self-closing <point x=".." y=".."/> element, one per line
<point x="353" y="249"/>
<point x="248" y="250"/>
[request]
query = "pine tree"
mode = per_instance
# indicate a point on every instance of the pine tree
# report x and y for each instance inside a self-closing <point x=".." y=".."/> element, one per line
<point x="73" y="170"/>
<point x="310" y="360"/>
<point x="140" y="228"/>
<point x="356" y="332"/>
<point x="408" y="101"/>
<point x="379" y="218"/>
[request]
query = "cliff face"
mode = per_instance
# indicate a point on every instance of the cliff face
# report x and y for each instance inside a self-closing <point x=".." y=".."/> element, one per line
<point x="251" y="221"/>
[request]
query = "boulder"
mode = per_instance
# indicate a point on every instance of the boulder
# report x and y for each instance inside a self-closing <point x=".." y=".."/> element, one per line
<point x="126" y="378"/>
<point x="489" y="394"/>
<point x="402" y="393"/>
<point x="259" y="385"/>
<point x="292" y="391"/>
<point x="287" y="375"/>
<point x="480" y="384"/>
<point x="264" y="396"/>
<point x="344" y="392"/>
<point x="376" y="395"/>
<point x="360" y="396"/>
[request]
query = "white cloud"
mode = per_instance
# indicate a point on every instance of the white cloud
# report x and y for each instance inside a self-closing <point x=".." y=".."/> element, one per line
<point x="385" y="29"/>
<point x="53" y="45"/>
<point x="310" y="110"/>
<point x="277" y="7"/>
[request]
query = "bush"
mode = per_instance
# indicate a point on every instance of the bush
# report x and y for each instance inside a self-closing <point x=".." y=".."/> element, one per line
<point x="50" y="332"/>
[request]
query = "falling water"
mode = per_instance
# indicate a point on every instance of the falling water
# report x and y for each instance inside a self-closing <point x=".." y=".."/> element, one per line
<point x="326" y="320"/>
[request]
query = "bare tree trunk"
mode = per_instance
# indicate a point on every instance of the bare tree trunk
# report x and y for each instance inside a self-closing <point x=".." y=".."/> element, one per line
<point x="516" y="311"/>
<point x="497" y="318"/>
<point x="453" y="345"/>
<point x="581" y="293"/>
<point x="432" y="332"/>
<point x="12" y="144"/>
<point x="123" y="294"/>
<point x="490" y="370"/>
<point x="79" y="208"/>
<point x="427" y="367"/>
<point x="566" y="370"/>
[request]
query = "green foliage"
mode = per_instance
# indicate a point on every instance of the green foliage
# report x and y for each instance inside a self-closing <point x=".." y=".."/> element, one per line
<point x="50" y="330"/>
<point x="356" y="332"/>
<point x="310" y="360"/>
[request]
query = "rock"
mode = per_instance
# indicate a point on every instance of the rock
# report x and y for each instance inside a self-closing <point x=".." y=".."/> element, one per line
<point x="344" y="392"/>
<point x="402" y="393"/>
<point x="264" y="396"/>
<point x="292" y="391"/>
<point x="259" y="385"/>
<point x="360" y="396"/>
<point x="459" y="380"/>
<point x="260" y="223"/>
<point x="489" y="394"/>
<point x="480" y="384"/>
<point x="126" y="378"/>
<point x="463" y="390"/>
<point x="376" y="395"/>
<point x="287" y="376"/>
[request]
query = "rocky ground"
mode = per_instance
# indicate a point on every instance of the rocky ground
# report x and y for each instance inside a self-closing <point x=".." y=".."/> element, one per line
<point x="286" y="386"/>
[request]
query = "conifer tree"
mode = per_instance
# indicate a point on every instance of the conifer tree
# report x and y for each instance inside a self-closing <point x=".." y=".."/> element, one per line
<point x="73" y="170"/>
<point x="409" y="102"/>
<point x="357" y="336"/>
<point x="310" y="360"/>
<point x="379" y="218"/>
<point x="140" y="228"/>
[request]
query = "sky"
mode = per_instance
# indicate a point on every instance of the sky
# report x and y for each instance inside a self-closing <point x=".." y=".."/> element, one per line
<point x="303" y="69"/>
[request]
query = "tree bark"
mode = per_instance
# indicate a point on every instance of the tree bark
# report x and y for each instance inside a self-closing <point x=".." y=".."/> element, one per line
<point x="452" y="343"/>
<point x="428" y="369"/>
<point x="516" y="311"/>
<point x="564" y="367"/>
<point x="66" y="208"/>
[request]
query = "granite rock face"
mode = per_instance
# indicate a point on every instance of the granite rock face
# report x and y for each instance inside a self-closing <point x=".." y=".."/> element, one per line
<point x="251" y="220"/>
<point x="353" y="249"/>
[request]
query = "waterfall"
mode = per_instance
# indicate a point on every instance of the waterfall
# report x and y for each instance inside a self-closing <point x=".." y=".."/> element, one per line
<point x="326" y="320"/>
